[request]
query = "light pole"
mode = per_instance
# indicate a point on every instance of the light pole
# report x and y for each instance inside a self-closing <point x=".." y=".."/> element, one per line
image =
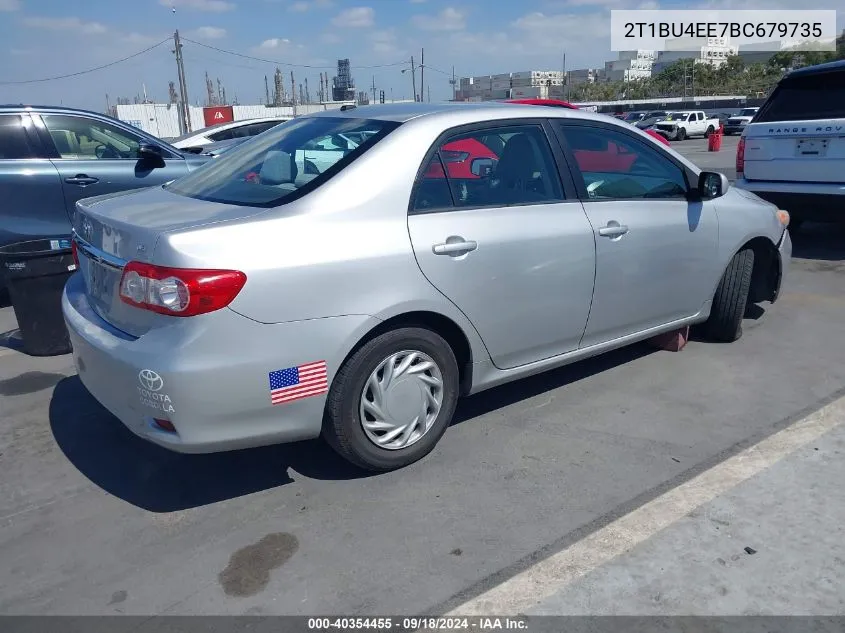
<point x="413" y="77"/>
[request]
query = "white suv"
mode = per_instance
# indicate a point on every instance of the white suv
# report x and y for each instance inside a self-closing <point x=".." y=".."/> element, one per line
<point x="793" y="153"/>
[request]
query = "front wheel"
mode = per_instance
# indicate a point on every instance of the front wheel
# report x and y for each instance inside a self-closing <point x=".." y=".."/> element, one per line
<point x="392" y="400"/>
<point x="731" y="298"/>
<point x="682" y="134"/>
<point x="709" y="131"/>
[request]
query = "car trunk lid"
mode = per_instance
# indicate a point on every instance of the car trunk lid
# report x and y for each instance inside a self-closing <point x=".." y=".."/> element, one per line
<point x="799" y="134"/>
<point x="115" y="229"/>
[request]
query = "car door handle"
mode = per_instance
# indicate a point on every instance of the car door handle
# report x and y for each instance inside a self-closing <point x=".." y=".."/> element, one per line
<point x="452" y="248"/>
<point x="81" y="179"/>
<point x="613" y="229"/>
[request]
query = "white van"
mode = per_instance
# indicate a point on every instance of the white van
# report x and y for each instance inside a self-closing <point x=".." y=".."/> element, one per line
<point x="793" y="152"/>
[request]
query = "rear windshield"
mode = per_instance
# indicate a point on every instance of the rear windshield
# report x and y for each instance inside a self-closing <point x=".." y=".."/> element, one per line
<point x="807" y="98"/>
<point x="284" y="163"/>
<point x="748" y="112"/>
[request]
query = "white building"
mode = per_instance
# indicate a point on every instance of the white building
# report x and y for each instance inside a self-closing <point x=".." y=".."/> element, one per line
<point x="539" y="84"/>
<point x="630" y="66"/>
<point x="711" y="50"/>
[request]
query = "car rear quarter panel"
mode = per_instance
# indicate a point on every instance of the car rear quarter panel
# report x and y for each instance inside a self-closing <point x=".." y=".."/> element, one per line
<point x="343" y="249"/>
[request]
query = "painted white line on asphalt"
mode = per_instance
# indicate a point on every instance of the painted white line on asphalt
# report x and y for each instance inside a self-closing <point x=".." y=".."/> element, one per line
<point x="530" y="587"/>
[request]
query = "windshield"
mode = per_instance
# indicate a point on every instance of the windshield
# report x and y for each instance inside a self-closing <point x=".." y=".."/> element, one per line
<point x="633" y="116"/>
<point x="748" y="112"/>
<point x="283" y="163"/>
<point x="806" y="98"/>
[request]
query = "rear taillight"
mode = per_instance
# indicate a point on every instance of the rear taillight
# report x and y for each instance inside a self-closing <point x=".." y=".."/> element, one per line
<point x="179" y="291"/>
<point x="740" y="157"/>
<point x="450" y="156"/>
<point x="74" y="249"/>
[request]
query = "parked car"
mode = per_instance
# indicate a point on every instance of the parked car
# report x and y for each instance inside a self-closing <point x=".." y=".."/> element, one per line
<point x="361" y="304"/>
<point x="50" y="157"/>
<point x="737" y="123"/>
<point x="793" y="151"/>
<point x="651" y="118"/>
<point x="220" y="147"/>
<point x="556" y="103"/>
<point x="681" y="125"/>
<point x="634" y="117"/>
<point x="197" y="141"/>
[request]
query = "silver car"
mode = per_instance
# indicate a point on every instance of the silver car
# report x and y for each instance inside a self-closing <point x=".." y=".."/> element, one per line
<point x="300" y="287"/>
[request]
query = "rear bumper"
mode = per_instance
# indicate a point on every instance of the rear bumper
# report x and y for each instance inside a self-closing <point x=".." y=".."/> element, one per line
<point x="213" y="369"/>
<point x="821" y="202"/>
<point x="734" y="129"/>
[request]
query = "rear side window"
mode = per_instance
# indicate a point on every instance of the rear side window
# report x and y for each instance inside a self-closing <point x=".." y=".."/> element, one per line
<point x="13" y="140"/>
<point x="283" y="164"/>
<point x="494" y="167"/>
<point x="807" y="98"/>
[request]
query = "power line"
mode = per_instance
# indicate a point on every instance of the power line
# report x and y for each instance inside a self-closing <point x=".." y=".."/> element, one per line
<point x="278" y="63"/>
<point x="84" y="72"/>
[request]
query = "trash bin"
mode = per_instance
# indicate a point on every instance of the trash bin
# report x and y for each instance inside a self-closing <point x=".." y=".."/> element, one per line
<point x="35" y="273"/>
<point x="714" y="141"/>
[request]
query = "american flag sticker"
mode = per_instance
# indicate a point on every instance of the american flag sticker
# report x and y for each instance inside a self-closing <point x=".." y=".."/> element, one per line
<point x="295" y="383"/>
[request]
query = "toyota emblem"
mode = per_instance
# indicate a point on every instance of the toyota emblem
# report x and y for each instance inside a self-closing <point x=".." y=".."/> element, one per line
<point x="150" y="380"/>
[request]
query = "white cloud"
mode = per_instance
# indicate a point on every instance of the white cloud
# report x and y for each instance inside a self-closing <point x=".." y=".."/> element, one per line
<point x="10" y="5"/>
<point x="65" y="24"/>
<point x="385" y="42"/>
<point x="306" y="5"/>
<point x="299" y="7"/>
<point x="356" y="17"/>
<point x="449" y="19"/>
<point x="274" y="43"/>
<point x="209" y="33"/>
<point x="330" y="38"/>
<point x="210" y="6"/>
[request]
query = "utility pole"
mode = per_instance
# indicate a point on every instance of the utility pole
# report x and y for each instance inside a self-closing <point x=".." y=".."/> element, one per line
<point x="422" y="74"/>
<point x="429" y="94"/>
<point x="454" y="84"/>
<point x="414" y="78"/>
<point x="301" y="94"/>
<point x="293" y="92"/>
<point x="184" y="105"/>
<point x="266" y="91"/>
<point x="307" y="94"/>
<point x="374" y="88"/>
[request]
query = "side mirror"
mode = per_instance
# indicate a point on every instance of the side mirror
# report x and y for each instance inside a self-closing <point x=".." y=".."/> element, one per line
<point x="482" y="167"/>
<point x="712" y="184"/>
<point x="151" y="153"/>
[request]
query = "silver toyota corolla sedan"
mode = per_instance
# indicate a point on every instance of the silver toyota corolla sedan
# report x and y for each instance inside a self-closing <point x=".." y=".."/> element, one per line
<point x="306" y="284"/>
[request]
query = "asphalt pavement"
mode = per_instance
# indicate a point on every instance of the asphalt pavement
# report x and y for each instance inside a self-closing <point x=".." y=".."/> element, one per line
<point x="95" y="521"/>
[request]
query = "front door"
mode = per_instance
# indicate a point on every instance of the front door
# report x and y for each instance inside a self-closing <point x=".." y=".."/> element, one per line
<point x="493" y="231"/>
<point x="95" y="157"/>
<point x="655" y="249"/>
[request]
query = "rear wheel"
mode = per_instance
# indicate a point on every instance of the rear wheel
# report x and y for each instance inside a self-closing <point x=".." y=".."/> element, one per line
<point x="731" y="298"/>
<point x="682" y="134"/>
<point x="709" y="131"/>
<point x="392" y="400"/>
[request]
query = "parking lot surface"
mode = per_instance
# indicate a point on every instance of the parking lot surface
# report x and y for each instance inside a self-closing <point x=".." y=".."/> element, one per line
<point x="95" y="521"/>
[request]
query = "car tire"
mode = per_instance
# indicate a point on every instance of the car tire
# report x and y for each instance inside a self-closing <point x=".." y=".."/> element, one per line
<point x="731" y="299"/>
<point x="709" y="131"/>
<point x="343" y="425"/>
<point x="682" y="134"/>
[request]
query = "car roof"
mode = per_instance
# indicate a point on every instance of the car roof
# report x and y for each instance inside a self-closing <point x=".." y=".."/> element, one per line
<point x="17" y="107"/>
<point x="480" y="111"/>
<point x="818" y="69"/>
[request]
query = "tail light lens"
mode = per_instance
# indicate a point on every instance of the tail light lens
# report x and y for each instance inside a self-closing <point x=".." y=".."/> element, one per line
<point x="74" y="249"/>
<point x="450" y="156"/>
<point x="179" y="291"/>
<point x="740" y="157"/>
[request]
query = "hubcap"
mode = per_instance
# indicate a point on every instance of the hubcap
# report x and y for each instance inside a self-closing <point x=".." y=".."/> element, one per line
<point x="401" y="400"/>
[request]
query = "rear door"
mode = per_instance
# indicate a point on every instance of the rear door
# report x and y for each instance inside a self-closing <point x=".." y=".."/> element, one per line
<point x="96" y="157"/>
<point x="799" y="134"/>
<point x="509" y="244"/>
<point x="30" y="187"/>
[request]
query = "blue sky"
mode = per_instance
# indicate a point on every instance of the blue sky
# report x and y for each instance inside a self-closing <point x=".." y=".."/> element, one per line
<point x="45" y="38"/>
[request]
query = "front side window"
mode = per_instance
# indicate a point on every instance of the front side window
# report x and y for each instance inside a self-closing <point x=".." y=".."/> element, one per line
<point x="286" y="162"/>
<point x="81" y="138"/>
<point x="14" y="143"/>
<point x="615" y="166"/>
<point x="509" y="165"/>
